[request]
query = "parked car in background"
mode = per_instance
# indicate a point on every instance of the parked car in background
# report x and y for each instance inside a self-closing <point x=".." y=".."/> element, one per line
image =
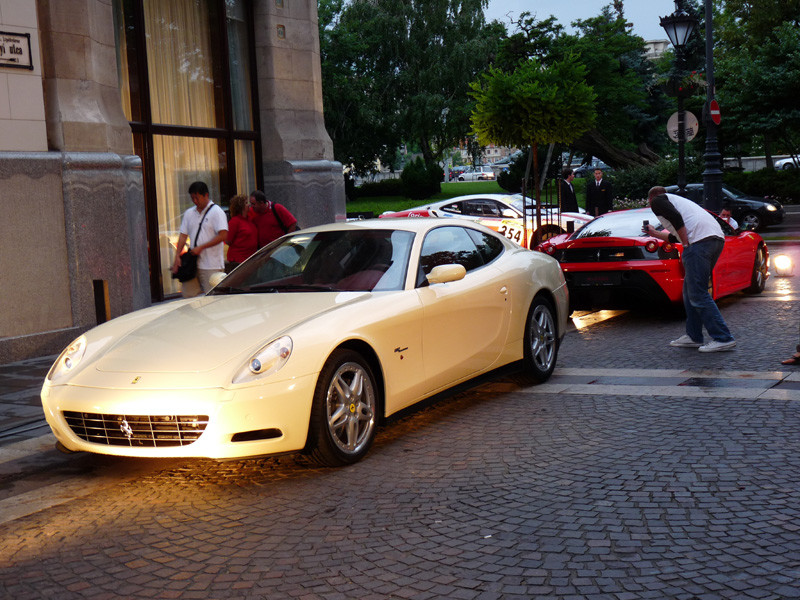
<point x="310" y="343"/>
<point x="501" y="213"/>
<point x="792" y="162"/>
<point x="610" y="263"/>
<point x="456" y="171"/>
<point x="479" y="173"/>
<point x="749" y="211"/>
<point x="584" y="170"/>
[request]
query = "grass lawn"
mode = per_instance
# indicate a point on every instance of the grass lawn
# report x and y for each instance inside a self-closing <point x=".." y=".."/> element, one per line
<point x="380" y="204"/>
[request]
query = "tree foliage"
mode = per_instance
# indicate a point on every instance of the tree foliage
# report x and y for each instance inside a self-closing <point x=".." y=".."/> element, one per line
<point x="759" y="71"/>
<point x="533" y="104"/>
<point x="628" y="108"/>
<point x="397" y="72"/>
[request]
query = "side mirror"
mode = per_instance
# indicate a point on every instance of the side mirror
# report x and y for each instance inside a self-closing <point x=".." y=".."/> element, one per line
<point x="446" y="274"/>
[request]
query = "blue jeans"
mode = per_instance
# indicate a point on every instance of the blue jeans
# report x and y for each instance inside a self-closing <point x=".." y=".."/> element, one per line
<point x="701" y="310"/>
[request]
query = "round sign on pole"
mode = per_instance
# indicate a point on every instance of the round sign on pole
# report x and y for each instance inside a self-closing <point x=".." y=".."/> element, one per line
<point x="690" y="126"/>
<point x="713" y="109"/>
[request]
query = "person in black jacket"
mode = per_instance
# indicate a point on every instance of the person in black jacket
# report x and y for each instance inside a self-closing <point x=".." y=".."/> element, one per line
<point x="569" y="203"/>
<point x="599" y="195"/>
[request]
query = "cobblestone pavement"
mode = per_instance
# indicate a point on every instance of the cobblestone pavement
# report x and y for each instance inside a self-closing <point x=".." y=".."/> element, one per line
<point x="639" y="471"/>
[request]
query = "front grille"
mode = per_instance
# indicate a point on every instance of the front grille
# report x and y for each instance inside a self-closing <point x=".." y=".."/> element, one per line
<point x="602" y="254"/>
<point x="137" y="431"/>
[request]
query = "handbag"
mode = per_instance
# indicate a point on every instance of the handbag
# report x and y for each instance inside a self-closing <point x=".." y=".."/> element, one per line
<point x="187" y="270"/>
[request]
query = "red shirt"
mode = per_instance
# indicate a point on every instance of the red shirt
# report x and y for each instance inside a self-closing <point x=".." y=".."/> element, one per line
<point x="242" y="239"/>
<point x="268" y="227"/>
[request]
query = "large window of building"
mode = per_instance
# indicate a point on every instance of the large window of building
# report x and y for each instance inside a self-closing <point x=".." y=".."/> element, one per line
<point x="187" y="84"/>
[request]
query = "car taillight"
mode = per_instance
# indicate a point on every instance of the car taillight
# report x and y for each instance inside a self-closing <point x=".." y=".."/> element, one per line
<point x="668" y="247"/>
<point x="549" y="250"/>
<point x="651" y="246"/>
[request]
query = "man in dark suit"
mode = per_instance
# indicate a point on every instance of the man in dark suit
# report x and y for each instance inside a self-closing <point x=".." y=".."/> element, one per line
<point x="599" y="195"/>
<point x="569" y="203"/>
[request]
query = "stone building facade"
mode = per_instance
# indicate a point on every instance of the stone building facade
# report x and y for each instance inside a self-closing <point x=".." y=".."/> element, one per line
<point x="108" y="110"/>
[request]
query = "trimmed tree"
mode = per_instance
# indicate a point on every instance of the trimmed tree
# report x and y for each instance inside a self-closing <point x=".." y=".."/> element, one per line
<point x="533" y="105"/>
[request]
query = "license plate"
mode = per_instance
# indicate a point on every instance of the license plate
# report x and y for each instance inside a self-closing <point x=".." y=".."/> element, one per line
<point x="599" y="278"/>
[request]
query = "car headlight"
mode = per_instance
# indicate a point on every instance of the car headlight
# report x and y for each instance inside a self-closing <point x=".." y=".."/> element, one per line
<point x="771" y="207"/>
<point x="269" y="359"/>
<point x="68" y="360"/>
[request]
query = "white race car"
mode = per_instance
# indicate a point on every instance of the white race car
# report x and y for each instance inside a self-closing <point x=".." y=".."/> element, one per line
<point x="501" y="213"/>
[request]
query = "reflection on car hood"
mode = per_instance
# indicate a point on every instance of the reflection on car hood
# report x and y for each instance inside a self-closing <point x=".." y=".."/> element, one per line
<point x="202" y="335"/>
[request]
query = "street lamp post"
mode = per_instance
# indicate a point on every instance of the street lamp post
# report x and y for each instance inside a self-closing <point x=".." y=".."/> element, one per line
<point x="679" y="26"/>
<point x="712" y="176"/>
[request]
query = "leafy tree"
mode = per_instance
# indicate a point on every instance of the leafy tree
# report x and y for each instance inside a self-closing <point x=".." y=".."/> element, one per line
<point x="759" y="72"/>
<point x="629" y="110"/>
<point x="533" y="105"/>
<point x="358" y="95"/>
<point x="399" y="71"/>
<point x="628" y="113"/>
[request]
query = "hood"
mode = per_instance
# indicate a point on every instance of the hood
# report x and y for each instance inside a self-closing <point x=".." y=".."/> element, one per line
<point x="205" y="333"/>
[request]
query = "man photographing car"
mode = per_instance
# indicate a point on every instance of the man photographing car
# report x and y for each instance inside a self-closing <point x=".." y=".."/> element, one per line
<point x="702" y="239"/>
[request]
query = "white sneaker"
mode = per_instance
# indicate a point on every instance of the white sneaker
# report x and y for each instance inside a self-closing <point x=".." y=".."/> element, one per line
<point x="715" y="346"/>
<point x="685" y="342"/>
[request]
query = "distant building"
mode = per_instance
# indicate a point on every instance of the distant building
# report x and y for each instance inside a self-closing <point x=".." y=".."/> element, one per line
<point x="655" y="48"/>
<point x="491" y="153"/>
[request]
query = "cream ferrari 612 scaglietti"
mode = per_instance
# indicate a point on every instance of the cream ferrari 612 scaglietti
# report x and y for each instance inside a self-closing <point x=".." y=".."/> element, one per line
<point x="310" y="343"/>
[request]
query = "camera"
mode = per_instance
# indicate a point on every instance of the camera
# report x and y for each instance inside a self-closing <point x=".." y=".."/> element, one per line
<point x="645" y="224"/>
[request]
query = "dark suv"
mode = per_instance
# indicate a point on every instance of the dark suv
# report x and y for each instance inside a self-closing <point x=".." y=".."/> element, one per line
<point x="749" y="211"/>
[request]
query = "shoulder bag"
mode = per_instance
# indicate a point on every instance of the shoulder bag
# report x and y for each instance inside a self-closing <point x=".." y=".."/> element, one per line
<point x="187" y="270"/>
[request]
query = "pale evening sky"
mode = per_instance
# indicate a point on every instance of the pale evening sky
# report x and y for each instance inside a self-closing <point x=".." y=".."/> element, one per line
<point x="644" y="14"/>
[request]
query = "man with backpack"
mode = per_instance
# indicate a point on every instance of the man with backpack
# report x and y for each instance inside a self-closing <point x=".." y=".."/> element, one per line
<point x="272" y="220"/>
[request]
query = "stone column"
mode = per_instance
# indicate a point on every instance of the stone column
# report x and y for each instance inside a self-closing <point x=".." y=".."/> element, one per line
<point x="79" y="65"/>
<point x="299" y="170"/>
<point x="80" y="254"/>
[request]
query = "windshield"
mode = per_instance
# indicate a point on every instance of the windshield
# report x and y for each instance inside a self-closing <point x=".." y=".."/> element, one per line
<point x="530" y="205"/>
<point x="734" y="193"/>
<point x="345" y="260"/>
<point x="619" y="224"/>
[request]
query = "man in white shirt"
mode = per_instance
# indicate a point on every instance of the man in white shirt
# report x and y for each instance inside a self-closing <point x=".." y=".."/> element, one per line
<point x="209" y="246"/>
<point x="702" y="239"/>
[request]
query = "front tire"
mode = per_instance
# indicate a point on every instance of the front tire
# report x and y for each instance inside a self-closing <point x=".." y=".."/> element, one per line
<point x="344" y="410"/>
<point x="545" y="232"/>
<point x="540" y="341"/>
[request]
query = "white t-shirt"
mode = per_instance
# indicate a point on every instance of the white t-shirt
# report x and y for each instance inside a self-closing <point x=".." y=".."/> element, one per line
<point x="211" y="258"/>
<point x="698" y="221"/>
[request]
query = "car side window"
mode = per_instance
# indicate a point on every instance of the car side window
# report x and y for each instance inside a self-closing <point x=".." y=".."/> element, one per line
<point x="454" y="208"/>
<point x="480" y="208"/>
<point x="726" y="227"/>
<point x="488" y="245"/>
<point x="447" y="246"/>
<point x="490" y="208"/>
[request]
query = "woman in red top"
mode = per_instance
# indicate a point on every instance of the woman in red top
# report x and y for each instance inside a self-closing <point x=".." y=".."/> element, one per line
<point x="242" y="237"/>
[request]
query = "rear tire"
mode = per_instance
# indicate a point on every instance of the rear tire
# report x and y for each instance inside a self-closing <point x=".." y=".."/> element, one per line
<point x="759" y="278"/>
<point x="344" y="410"/>
<point x="540" y="339"/>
